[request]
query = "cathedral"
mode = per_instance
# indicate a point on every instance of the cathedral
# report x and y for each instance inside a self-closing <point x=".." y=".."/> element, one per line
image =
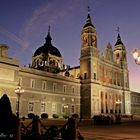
<point x="99" y="85"/>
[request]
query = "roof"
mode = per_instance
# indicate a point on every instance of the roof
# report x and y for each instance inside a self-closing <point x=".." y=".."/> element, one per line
<point x="88" y="22"/>
<point x="48" y="48"/>
<point x="119" y="44"/>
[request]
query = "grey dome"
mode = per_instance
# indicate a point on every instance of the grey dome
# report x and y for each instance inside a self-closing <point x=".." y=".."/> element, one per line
<point x="48" y="48"/>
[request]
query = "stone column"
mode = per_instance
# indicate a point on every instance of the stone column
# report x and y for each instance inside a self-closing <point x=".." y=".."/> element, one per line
<point x="114" y="105"/>
<point x="104" y="103"/>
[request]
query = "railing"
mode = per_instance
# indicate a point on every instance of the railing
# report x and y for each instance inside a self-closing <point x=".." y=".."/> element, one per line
<point x="48" y="129"/>
<point x="36" y="129"/>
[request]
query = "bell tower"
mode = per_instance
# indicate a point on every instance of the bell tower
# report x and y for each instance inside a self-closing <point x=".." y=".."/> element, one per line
<point x="120" y="52"/>
<point x="88" y="64"/>
<point x="121" y="60"/>
<point x="89" y="36"/>
<point x="88" y="49"/>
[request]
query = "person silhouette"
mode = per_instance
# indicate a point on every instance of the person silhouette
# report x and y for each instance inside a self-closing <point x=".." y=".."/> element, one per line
<point x="8" y="121"/>
<point x="68" y="131"/>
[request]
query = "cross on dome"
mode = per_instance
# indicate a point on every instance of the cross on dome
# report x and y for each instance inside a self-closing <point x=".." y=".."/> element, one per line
<point x="118" y="29"/>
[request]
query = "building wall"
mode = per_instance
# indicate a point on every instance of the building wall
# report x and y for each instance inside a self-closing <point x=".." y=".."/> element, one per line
<point x="47" y="92"/>
<point x="104" y="78"/>
<point x="135" y="103"/>
<point x="50" y="91"/>
<point x="44" y="92"/>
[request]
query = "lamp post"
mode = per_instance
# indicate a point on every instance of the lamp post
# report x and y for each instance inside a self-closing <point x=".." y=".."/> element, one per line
<point x="18" y="91"/>
<point x="136" y="56"/>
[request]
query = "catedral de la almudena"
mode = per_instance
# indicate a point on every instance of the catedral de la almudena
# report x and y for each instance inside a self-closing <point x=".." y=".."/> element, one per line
<point x="99" y="85"/>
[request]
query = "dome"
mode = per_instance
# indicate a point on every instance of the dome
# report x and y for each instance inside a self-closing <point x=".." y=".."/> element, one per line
<point x="47" y="57"/>
<point x="45" y="49"/>
<point x="48" y="48"/>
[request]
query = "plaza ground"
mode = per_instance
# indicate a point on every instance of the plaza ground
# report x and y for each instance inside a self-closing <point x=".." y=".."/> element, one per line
<point x="127" y="130"/>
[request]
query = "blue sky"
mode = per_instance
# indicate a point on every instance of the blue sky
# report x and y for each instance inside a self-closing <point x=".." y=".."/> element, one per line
<point x="24" y="26"/>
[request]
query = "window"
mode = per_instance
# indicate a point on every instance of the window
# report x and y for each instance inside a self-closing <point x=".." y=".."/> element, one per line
<point x="72" y="109"/>
<point x="54" y="87"/>
<point x="20" y="80"/>
<point x="32" y="83"/>
<point x="64" y="88"/>
<point x="85" y="75"/>
<point x="30" y="107"/>
<point x="44" y="85"/>
<point x="65" y="108"/>
<point x="94" y="76"/>
<point x="53" y="108"/>
<point x="73" y="90"/>
<point x="43" y="107"/>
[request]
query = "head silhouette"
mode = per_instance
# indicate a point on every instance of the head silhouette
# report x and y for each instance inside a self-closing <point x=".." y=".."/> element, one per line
<point x="5" y="105"/>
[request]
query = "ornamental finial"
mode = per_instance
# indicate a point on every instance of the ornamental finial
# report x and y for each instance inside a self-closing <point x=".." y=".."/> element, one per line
<point x="89" y="9"/>
<point x="118" y="30"/>
<point x="49" y="28"/>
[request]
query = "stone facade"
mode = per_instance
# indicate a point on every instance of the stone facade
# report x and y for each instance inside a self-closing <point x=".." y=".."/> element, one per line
<point x="135" y="103"/>
<point x="104" y="78"/>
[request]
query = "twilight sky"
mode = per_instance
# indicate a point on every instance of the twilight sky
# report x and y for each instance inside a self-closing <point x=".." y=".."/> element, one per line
<point x="24" y="26"/>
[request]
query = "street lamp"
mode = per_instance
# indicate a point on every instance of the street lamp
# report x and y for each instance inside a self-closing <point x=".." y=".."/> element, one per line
<point x="136" y="56"/>
<point x="18" y="91"/>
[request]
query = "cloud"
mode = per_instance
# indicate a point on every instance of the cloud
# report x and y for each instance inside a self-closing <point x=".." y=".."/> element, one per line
<point x="53" y="13"/>
<point x="39" y="21"/>
<point x="24" y="44"/>
<point x="49" y="14"/>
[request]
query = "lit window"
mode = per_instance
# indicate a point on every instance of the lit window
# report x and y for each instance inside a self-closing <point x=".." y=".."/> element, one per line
<point x="31" y="107"/>
<point x="65" y="108"/>
<point x="53" y="108"/>
<point x="43" y="107"/>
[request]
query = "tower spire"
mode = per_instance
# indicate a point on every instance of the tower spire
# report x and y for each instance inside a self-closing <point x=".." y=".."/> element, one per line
<point x="88" y="20"/>
<point x="118" y="37"/>
<point x="118" y="29"/>
<point x="48" y="38"/>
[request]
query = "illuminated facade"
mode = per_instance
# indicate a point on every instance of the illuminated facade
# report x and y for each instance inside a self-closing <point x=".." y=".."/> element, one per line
<point x="100" y="84"/>
<point x="135" y="103"/>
